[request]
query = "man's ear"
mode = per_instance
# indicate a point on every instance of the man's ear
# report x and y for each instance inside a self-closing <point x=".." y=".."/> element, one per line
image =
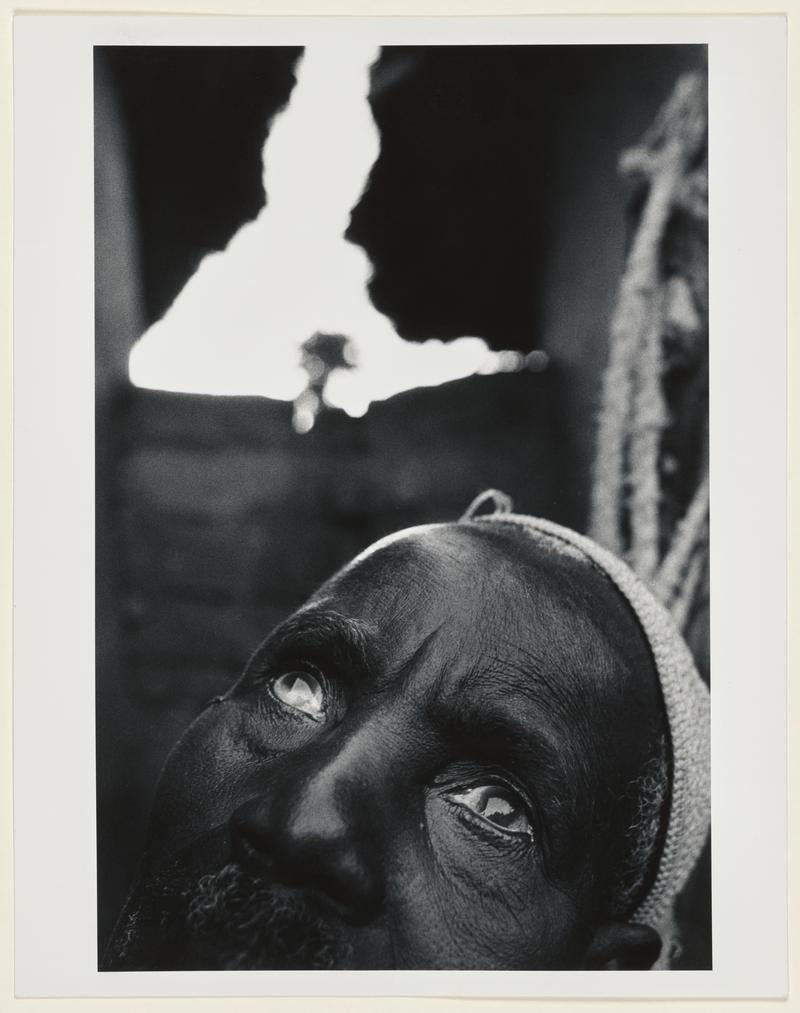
<point x="623" y="946"/>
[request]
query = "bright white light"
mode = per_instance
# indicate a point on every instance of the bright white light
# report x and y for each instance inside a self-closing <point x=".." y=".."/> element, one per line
<point x="237" y="325"/>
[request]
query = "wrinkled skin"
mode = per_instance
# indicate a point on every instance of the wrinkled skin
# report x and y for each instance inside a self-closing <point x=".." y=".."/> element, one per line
<point x="483" y="701"/>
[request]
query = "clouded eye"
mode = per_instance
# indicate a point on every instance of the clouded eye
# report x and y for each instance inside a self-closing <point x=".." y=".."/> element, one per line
<point x="498" y="805"/>
<point x="302" y="692"/>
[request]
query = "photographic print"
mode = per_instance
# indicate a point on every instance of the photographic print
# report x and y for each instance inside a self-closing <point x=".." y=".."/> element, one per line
<point x="399" y="521"/>
<point x="341" y="290"/>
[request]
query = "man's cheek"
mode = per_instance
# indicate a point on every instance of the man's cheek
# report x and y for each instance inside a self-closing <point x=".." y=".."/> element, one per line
<point x="453" y="902"/>
<point x="443" y="922"/>
<point x="484" y="901"/>
<point x="201" y="782"/>
<point x="219" y="764"/>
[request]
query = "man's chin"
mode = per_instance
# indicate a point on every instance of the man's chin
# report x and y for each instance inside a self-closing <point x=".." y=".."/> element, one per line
<point x="241" y="922"/>
<point x="230" y="919"/>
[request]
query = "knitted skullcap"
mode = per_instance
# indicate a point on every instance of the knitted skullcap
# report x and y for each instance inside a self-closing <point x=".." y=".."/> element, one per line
<point x="686" y="702"/>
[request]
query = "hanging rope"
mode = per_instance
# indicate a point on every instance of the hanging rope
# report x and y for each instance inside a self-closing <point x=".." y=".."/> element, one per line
<point x="627" y="499"/>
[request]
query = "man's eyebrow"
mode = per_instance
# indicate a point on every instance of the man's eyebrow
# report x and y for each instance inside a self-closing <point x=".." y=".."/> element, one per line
<point x="350" y="641"/>
<point x="497" y="735"/>
<point x="501" y="731"/>
<point x="512" y="712"/>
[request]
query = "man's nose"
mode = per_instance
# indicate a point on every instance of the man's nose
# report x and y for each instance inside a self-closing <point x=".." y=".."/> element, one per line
<point x="318" y="826"/>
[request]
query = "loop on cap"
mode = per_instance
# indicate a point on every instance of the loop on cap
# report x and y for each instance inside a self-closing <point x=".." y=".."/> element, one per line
<point x="503" y="504"/>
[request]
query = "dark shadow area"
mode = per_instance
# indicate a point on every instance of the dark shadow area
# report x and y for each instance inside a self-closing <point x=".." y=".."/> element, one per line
<point x="195" y="120"/>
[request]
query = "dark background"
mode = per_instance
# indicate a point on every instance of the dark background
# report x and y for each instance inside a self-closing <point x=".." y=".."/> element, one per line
<point x="495" y="209"/>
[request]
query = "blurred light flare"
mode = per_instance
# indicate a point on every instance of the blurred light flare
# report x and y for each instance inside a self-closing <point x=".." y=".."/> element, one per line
<point x="238" y="324"/>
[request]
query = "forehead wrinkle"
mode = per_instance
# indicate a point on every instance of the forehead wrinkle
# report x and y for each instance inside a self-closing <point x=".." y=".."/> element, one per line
<point x="528" y="675"/>
<point x="528" y="654"/>
<point x="551" y="704"/>
<point x="394" y="583"/>
<point x="549" y="631"/>
<point x="566" y="588"/>
<point x="416" y="658"/>
<point x="435" y="678"/>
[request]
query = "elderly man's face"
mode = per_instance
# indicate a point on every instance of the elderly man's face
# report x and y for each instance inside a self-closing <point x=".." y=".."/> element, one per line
<point x="424" y="767"/>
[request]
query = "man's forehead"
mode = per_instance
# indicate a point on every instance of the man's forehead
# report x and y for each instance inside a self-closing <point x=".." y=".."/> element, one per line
<point x="467" y="567"/>
<point x="486" y="592"/>
<point x="395" y="583"/>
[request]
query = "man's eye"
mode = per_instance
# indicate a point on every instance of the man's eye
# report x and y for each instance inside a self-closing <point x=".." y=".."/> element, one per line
<point x="301" y="691"/>
<point x="498" y="805"/>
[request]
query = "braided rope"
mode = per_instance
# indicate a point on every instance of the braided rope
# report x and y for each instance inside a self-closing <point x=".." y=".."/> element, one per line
<point x="690" y="535"/>
<point x="633" y="416"/>
<point x="649" y="418"/>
